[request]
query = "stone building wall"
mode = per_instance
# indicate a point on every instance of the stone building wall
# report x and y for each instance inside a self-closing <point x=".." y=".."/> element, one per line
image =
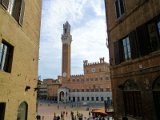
<point x="143" y="70"/>
<point x="100" y="78"/>
<point x="94" y="83"/>
<point x="17" y="86"/>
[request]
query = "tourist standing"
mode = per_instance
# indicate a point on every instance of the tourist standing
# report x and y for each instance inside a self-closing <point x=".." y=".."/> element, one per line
<point x="38" y="117"/>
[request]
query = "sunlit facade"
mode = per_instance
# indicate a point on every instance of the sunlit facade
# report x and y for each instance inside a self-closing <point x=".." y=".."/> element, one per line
<point x="19" y="50"/>
<point x="93" y="86"/>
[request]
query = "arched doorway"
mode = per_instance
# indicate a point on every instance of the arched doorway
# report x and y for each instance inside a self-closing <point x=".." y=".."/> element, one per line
<point x="156" y="96"/>
<point x="22" y="111"/>
<point x="61" y="96"/>
<point x="132" y="98"/>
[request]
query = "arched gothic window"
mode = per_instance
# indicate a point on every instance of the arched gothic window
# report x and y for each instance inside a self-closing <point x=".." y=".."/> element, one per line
<point x="22" y="111"/>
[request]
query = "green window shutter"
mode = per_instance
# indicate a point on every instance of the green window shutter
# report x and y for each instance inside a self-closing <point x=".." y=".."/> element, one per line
<point x="22" y="13"/>
<point x="5" y="3"/>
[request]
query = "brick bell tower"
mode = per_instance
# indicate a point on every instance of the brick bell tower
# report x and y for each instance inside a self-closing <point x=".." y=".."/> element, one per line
<point x="66" y="51"/>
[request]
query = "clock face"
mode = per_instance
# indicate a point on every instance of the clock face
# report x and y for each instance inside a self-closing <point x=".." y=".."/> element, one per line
<point x="64" y="74"/>
<point x="93" y="70"/>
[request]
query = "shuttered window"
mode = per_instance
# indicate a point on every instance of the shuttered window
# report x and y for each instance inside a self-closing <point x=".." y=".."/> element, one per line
<point x="140" y="42"/>
<point x="143" y="40"/>
<point x="134" y="45"/>
<point x="15" y="8"/>
<point x="119" y="5"/>
<point x="153" y="36"/>
<point x="118" y="52"/>
<point x="121" y="51"/>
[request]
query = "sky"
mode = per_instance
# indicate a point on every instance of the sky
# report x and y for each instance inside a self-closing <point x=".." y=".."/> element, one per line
<point x="88" y="30"/>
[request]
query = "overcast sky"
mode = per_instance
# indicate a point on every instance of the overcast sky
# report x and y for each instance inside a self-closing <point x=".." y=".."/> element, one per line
<point x="88" y="30"/>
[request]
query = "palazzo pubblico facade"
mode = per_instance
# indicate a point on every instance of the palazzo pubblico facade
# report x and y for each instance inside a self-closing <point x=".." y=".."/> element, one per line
<point x="94" y="86"/>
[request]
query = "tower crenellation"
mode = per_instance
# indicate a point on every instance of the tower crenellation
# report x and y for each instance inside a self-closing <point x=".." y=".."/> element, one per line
<point x="66" y="28"/>
<point x="66" y="36"/>
<point x="101" y="61"/>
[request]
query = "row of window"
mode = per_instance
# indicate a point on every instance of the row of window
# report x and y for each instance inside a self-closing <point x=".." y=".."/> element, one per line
<point x="120" y="8"/>
<point x="91" y="90"/>
<point x="100" y="78"/>
<point x="140" y="42"/>
<point x="90" y="79"/>
<point x="93" y="70"/>
<point x="14" y="8"/>
<point x="87" y="99"/>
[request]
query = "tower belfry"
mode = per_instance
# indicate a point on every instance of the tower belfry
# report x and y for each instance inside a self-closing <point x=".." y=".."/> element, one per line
<point x="66" y="51"/>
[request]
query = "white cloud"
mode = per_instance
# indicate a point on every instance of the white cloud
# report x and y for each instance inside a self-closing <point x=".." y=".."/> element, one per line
<point x="97" y="6"/>
<point x="90" y="42"/>
<point x="88" y="34"/>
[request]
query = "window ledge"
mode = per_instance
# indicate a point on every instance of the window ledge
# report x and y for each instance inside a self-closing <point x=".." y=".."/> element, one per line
<point x="132" y="61"/>
<point x="4" y="73"/>
<point x="121" y="18"/>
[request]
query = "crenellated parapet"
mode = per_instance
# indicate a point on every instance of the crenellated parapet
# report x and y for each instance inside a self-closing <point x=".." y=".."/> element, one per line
<point x="101" y="61"/>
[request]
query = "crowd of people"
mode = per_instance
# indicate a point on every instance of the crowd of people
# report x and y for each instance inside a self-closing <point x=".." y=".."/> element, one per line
<point x="57" y="117"/>
<point x="78" y="116"/>
<point x="65" y="112"/>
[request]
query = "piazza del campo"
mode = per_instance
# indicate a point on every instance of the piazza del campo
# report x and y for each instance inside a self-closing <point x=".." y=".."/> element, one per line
<point x="37" y="37"/>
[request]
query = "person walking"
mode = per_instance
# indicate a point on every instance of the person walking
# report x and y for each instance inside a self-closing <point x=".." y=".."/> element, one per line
<point x="89" y="114"/>
<point x="58" y="117"/>
<point x="72" y="115"/>
<point x="38" y="117"/>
